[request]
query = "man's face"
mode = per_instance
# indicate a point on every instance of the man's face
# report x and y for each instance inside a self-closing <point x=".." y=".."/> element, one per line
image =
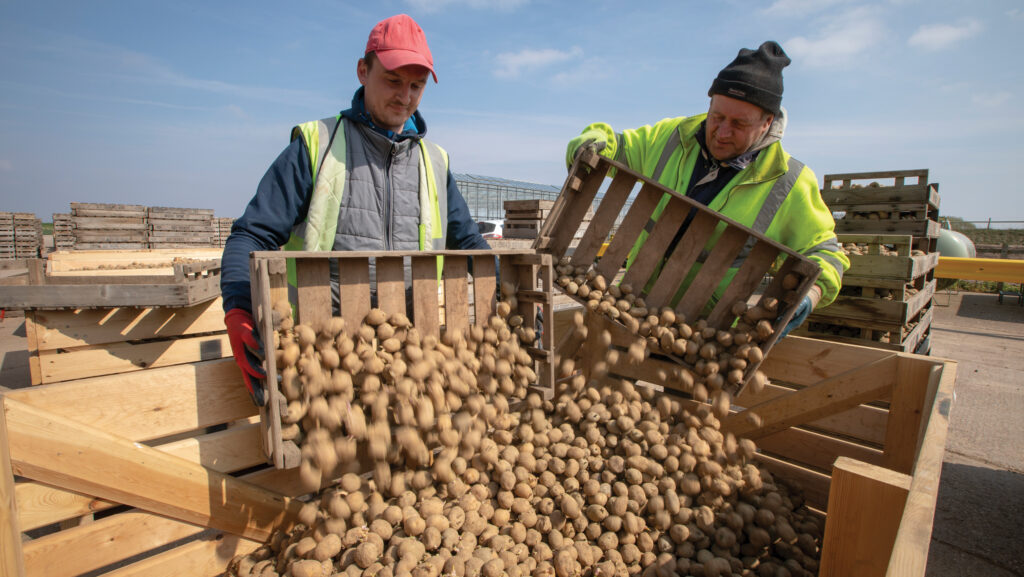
<point x="733" y="126"/>
<point x="392" y="96"/>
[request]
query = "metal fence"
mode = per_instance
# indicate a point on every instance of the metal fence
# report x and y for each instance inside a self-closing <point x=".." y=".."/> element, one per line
<point x="486" y="195"/>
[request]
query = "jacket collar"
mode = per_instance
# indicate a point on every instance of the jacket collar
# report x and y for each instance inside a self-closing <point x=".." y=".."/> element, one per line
<point x="415" y="126"/>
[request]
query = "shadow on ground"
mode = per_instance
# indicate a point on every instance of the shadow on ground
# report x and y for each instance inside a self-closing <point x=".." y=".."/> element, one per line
<point x="985" y="307"/>
<point x="978" y="521"/>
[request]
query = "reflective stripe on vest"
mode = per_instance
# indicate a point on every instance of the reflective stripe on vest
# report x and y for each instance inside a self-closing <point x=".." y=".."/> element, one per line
<point x="328" y="167"/>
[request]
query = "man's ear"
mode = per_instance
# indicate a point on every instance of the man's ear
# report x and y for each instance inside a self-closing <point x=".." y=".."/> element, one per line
<point x="362" y="71"/>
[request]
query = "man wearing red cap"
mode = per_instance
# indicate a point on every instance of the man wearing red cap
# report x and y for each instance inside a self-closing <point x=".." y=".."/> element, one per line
<point x="365" y="179"/>
<point x="731" y="160"/>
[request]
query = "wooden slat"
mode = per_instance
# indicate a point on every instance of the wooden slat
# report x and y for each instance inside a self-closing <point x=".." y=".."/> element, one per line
<point x="604" y="220"/>
<point x="53" y="449"/>
<point x="32" y="334"/>
<point x="150" y="404"/>
<point x="637" y="217"/>
<point x="678" y="266"/>
<point x="263" y="298"/>
<point x="816" y="450"/>
<point x="391" y="285"/>
<point x="12" y="561"/>
<point x="804" y="361"/>
<point x="204" y="557"/>
<point x="661" y="236"/>
<point x="864" y="510"/>
<point x="456" y="293"/>
<point x="354" y="281"/>
<point x="101" y="543"/>
<point x="743" y="284"/>
<point x="569" y="211"/>
<point x="313" y="281"/>
<point x="109" y="295"/>
<point x="910" y="552"/>
<point x="424" y="295"/>
<point x="225" y="451"/>
<point x="74" y="328"/>
<point x="127" y="357"/>
<point x="484" y="288"/>
<point x="828" y="397"/>
<point x="863" y="423"/>
<point x="711" y="272"/>
<point x="903" y="433"/>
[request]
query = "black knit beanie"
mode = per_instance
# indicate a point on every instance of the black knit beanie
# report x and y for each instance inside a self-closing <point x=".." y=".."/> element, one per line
<point x="755" y="76"/>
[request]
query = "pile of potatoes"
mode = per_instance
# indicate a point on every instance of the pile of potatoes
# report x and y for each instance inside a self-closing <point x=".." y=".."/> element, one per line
<point x="881" y="215"/>
<point x="388" y="394"/>
<point x="883" y="250"/>
<point x="713" y="363"/>
<point x="606" y="478"/>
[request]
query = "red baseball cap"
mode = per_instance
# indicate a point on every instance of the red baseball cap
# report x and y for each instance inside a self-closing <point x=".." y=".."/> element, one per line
<point x="399" y="41"/>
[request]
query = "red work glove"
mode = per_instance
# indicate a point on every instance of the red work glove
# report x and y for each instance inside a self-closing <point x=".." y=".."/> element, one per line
<point x="248" y="351"/>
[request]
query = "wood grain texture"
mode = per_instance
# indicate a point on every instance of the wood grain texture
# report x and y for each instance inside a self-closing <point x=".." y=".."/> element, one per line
<point x="865" y="507"/>
<point x="56" y="450"/>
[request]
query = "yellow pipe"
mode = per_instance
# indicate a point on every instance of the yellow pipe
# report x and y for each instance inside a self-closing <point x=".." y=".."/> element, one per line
<point x="991" y="269"/>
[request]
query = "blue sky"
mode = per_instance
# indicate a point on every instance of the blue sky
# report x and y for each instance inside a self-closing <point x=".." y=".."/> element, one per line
<point x="186" y="103"/>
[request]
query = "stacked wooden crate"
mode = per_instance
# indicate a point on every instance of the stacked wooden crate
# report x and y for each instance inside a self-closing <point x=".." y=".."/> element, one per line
<point x="889" y="231"/>
<point x="523" y="218"/>
<point x="223" y="227"/>
<point x="28" y="235"/>
<point x="7" y="235"/>
<point x="181" y="227"/>
<point x="63" y="232"/>
<point x="100" y="313"/>
<point x="100" y="226"/>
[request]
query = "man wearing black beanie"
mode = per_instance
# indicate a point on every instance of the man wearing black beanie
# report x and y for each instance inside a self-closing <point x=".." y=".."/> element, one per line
<point x="731" y="159"/>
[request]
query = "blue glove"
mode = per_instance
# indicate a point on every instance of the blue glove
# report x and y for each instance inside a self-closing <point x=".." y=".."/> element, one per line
<point x="802" y="311"/>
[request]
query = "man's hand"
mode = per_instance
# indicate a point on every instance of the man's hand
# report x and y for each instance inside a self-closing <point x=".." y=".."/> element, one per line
<point x="248" y="351"/>
<point x="596" y="145"/>
<point x="802" y="311"/>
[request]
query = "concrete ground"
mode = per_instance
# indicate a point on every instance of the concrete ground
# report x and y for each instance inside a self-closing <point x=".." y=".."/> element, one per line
<point x="979" y="521"/>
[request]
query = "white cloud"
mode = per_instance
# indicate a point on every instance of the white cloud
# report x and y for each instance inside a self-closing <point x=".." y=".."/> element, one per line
<point x="6" y="165"/>
<point x="933" y="37"/>
<point x="1015" y="13"/>
<point x="840" y="40"/>
<point x="439" y="5"/>
<point x="991" y="100"/>
<point x="511" y="64"/>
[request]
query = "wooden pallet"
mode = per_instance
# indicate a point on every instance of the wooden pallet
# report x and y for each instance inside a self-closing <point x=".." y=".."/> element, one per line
<point x="187" y="284"/>
<point x="454" y="303"/>
<point x="695" y="271"/>
<point x="875" y="264"/>
<point x="901" y="338"/>
<point x="521" y="228"/>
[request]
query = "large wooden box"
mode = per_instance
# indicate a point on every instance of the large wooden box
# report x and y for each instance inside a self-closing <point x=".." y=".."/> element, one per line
<point x="148" y="454"/>
<point x="465" y="293"/>
<point x="692" y="278"/>
<point x="137" y="278"/>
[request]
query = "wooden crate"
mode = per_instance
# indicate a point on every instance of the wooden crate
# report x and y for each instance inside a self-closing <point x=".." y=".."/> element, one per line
<point x="137" y="452"/>
<point x="907" y="207"/>
<point x="453" y="303"/>
<point x="693" y="269"/>
<point x="876" y="264"/>
<point x="529" y="209"/>
<point x="87" y="342"/>
<point x="911" y="337"/>
<point x="872" y="471"/>
<point x="521" y="229"/>
<point x="187" y="283"/>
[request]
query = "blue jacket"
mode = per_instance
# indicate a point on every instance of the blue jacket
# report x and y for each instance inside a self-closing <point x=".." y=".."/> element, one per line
<point x="282" y="200"/>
